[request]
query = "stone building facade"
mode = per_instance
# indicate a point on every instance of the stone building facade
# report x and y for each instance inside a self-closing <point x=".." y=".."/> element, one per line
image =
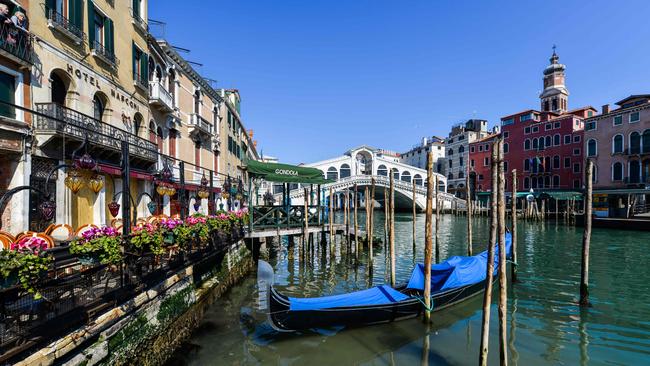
<point x="457" y="155"/>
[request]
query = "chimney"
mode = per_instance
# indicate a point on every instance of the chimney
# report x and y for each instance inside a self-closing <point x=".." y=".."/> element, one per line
<point x="605" y="108"/>
<point x="424" y="141"/>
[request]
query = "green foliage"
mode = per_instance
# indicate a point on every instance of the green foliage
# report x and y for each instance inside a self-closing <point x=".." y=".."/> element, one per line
<point x="175" y="305"/>
<point x="148" y="239"/>
<point x="106" y="248"/>
<point x="26" y="266"/>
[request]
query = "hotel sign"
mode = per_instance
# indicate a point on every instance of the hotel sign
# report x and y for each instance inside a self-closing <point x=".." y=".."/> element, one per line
<point x="115" y="93"/>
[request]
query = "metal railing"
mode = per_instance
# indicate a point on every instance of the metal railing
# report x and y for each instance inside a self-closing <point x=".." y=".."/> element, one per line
<point x="200" y="123"/>
<point x="284" y="217"/>
<point x="63" y="24"/>
<point x="16" y="42"/>
<point x="74" y="294"/>
<point x="140" y="81"/>
<point x="138" y="21"/>
<point x="159" y="94"/>
<point x="74" y="124"/>
<point x="108" y="56"/>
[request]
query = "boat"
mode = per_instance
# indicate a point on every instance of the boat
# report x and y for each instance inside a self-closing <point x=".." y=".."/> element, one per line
<point x="453" y="281"/>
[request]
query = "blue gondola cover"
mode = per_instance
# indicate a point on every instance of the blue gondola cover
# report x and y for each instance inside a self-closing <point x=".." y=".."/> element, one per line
<point x="378" y="295"/>
<point x="457" y="271"/>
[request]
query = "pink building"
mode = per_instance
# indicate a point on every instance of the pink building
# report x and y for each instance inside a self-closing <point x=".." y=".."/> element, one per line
<point x="618" y="142"/>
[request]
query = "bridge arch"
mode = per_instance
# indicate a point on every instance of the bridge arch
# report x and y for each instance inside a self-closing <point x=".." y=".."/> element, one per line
<point x="406" y="176"/>
<point x="382" y="170"/>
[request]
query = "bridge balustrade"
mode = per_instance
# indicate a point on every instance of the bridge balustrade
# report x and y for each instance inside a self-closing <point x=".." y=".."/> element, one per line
<point x="284" y="217"/>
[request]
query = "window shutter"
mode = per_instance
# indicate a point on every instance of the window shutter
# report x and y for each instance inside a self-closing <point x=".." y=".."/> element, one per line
<point x="77" y="20"/>
<point x="49" y="5"/>
<point x="133" y="60"/>
<point x="108" y="36"/>
<point x="144" y="68"/>
<point x="91" y="24"/>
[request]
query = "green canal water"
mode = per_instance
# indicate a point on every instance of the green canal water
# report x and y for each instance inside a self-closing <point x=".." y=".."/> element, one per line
<point x="545" y="326"/>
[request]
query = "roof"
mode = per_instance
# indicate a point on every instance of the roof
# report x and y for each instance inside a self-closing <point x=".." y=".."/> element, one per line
<point x="522" y="112"/>
<point x="489" y="137"/>
<point x="634" y="96"/>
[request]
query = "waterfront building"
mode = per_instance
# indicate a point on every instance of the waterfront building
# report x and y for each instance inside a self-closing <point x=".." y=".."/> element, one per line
<point x="546" y="146"/>
<point x="457" y="154"/>
<point x="417" y="156"/>
<point x="239" y="141"/>
<point x="480" y="158"/>
<point x="618" y="142"/>
<point x="16" y="60"/>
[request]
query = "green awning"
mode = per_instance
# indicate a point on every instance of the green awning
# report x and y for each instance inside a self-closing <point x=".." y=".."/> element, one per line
<point x="562" y="196"/>
<point x="274" y="172"/>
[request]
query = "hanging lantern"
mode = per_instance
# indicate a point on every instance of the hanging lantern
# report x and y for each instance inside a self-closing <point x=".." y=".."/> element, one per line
<point x="162" y="190"/>
<point x="96" y="183"/>
<point x="74" y="181"/>
<point x="152" y="207"/>
<point x="166" y="174"/>
<point x="86" y="162"/>
<point x="114" y="208"/>
<point x="203" y="193"/>
<point x="171" y="191"/>
<point x="204" y="181"/>
<point x="47" y="208"/>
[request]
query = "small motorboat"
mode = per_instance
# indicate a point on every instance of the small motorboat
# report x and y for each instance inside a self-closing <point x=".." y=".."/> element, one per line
<point x="453" y="281"/>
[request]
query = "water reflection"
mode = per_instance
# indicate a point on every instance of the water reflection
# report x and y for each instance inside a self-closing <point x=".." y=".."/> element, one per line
<point x="545" y="325"/>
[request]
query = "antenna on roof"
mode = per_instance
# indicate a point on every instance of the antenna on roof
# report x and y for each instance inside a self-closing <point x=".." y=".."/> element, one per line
<point x="181" y="49"/>
<point x="194" y="63"/>
<point x="212" y="82"/>
<point x="160" y="26"/>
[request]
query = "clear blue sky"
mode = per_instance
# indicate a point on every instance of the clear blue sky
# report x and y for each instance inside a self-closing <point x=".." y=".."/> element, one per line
<point x="319" y="77"/>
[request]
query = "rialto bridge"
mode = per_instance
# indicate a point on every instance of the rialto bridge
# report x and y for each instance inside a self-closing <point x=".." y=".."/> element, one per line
<point x="364" y="164"/>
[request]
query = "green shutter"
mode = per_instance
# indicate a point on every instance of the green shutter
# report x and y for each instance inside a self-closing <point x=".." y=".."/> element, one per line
<point x="133" y="59"/>
<point x="7" y="94"/>
<point x="136" y="7"/>
<point x="77" y="19"/>
<point x="108" y="36"/>
<point x="91" y="24"/>
<point x="49" y="5"/>
<point x="144" y="68"/>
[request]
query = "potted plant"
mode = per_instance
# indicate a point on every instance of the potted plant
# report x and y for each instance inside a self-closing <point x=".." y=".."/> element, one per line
<point x="174" y="233"/>
<point x="98" y="245"/>
<point x="147" y="238"/>
<point x="199" y="228"/>
<point x="26" y="262"/>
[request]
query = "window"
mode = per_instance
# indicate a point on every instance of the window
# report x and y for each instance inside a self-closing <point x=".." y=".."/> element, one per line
<point x="382" y="170"/>
<point x="461" y="161"/>
<point x="450" y="152"/>
<point x="461" y="149"/>
<point x="618" y="120"/>
<point x="140" y="65"/>
<point x="617" y="144"/>
<point x="535" y="129"/>
<point x="527" y="130"/>
<point x="461" y="137"/>
<point x="471" y="163"/>
<point x="634" y="117"/>
<point x="556" y="162"/>
<point x="461" y="174"/>
<point x="332" y="173"/>
<point x="535" y="144"/>
<point x="451" y="176"/>
<point x="505" y="166"/>
<point x="345" y="171"/>
<point x="645" y="141"/>
<point x="635" y="143"/>
<point x="406" y="177"/>
<point x="547" y="141"/>
<point x="527" y="144"/>
<point x="617" y="172"/>
<point x="508" y="121"/>
<point x="576" y="167"/>
<point x="590" y="113"/>
<point x="451" y="164"/>
<point x="576" y="183"/>
<point x="576" y="152"/>
<point x="526" y="165"/>
<point x="100" y="34"/>
<point x="556" y="125"/>
<point x="556" y="181"/>
<point x="506" y="147"/>
<point x="541" y="144"/>
<point x="487" y="147"/>
<point x="480" y="177"/>
<point x="172" y="143"/>
<point x="567" y="139"/>
<point x="526" y="117"/>
<point x="567" y="162"/>
<point x="591" y="147"/>
<point x="486" y="161"/>
<point x="576" y="139"/>
<point x="471" y="149"/>
<point x="506" y="134"/>
<point x="548" y="127"/>
<point x="526" y="183"/>
<point x="590" y="126"/>
<point x="98" y="108"/>
<point x="480" y="147"/>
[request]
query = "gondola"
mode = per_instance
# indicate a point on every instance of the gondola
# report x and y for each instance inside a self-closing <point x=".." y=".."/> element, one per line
<point x="453" y="281"/>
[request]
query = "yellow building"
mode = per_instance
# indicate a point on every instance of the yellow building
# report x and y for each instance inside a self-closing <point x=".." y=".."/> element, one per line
<point x="91" y="81"/>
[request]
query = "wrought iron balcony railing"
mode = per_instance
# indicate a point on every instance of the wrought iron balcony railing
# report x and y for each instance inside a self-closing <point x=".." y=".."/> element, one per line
<point x="105" y="55"/>
<point x="138" y="21"/>
<point x="62" y="24"/>
<point x="77" y="125"/>
<point x="199" y="124"/>
<point x="637" y="180"/>
<point x="140" y="81"/>
<point x="16" y="44"/>
<point x="160" y="97"/>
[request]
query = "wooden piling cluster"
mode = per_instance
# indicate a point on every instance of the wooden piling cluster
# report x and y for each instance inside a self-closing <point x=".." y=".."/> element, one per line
<point x="428" y="242"/>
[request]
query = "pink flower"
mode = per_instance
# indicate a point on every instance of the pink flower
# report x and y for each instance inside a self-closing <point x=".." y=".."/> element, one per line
<point x="31" y="244"/>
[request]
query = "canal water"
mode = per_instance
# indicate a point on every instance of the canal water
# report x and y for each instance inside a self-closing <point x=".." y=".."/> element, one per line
<point x="545" y="326"/>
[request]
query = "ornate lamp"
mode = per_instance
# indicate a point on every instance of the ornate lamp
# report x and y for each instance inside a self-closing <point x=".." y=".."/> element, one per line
<point x="152" y="207"/>
<point x="74" y="181"/>
<point x="86" y="162"/>
<point x="114" y="208"/>
<point x="96" y="183"/>
<point x="47" y="208"/>
<point x="203" y="192"/>
<point x="162" y="190"/>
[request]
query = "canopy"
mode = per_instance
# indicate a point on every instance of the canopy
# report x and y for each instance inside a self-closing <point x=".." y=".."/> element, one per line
<point x="457" y="271"/>
<point x="379" y="295"/>
<point x="562" y="196"/>
<point x="274" y="172"/>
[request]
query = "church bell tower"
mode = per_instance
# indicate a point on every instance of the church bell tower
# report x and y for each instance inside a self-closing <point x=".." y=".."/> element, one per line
<point x="555" y="96"/>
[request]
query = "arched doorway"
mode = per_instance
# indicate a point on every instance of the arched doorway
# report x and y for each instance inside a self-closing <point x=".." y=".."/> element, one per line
<point x="59" y="88"/>
<point x="364" y="163"/>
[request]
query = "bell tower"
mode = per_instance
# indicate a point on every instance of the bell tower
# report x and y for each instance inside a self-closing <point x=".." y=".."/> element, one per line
<point x="555" y="96"/>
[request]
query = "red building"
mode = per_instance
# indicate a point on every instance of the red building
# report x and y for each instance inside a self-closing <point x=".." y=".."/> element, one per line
<point x="480" y="154"/>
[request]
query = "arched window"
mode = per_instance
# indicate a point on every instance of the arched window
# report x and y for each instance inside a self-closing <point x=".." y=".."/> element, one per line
<point x="526" y="183"/>
<point x="548" y="141"/>
<point x="395" y="173"/>
<point x="417" y="179"/>
<point x="547" y="164"/>
<point x="645" y="142"/>
<point x="556" y="181"/>
<point x="450" y="176"/>
<point x="634" y="171"/>
<point x="506" y="147"/>
<point x="152" y="131"/>
<point x="152" y="66"/>
<point x="197" y="102"/>
<point x="382" y="170"/>
<point x="137" y="124"/>
<point x="171" y="85"/>
<point x="535" y="144"/>
<point x="461" y="149"/>
<point x="332" y="173"/>
<point x="635" y="143"/>
<point x="527" y="144"/>
<point x="450" y="152"/>
<point x="345" y="171"/>
<point x="59" y="89"/>
<point x="617" y="144"/>
<point x="461" y="174"/>
<point x="526" y="165"/>
<point x="547" y="181"/>
<point x="592" y="147"/>
<point x="441" y="186"/>
<point x="98" y="108"/>
<point x="406" y="177"/>
<point x="159" y="73"/>
<point x="617" y="172"/>
<point x="159" y="139"/>
<point x="557" y="140"/>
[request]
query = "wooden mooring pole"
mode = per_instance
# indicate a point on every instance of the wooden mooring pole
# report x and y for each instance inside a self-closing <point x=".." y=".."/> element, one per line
<point x="414" y="217"/>
<point x="513" y="230"/>
<point x="331" y="221"/>
<point x="503" y="280"/>
<point x="385" y="218"/>
<point x="391" y="236"/>
<point x="305" y="234"/>
<point x="428" y="238"/>
<point x="372" y="217"/>
<point x="439" y="203"/>
<point x="487" y="295"/>
<point x="586" y="236"/>
<point x="468" y="193"/>
<point x="356" y="225"/>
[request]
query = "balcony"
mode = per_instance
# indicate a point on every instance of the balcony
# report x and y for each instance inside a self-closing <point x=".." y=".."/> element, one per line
<point x="198" y="125"/>
<point x="61" y="24"/>
<point x="100" y="52"/>
<point x="139" y="23"/>
<point x="58" y="123"/>
<point x="159" y="97"/>
<point x="140" y="82"/>
<point x="16" y="45"/>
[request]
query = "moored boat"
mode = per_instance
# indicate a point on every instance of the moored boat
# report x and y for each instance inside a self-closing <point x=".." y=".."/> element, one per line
<point x="453" y="281"/>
